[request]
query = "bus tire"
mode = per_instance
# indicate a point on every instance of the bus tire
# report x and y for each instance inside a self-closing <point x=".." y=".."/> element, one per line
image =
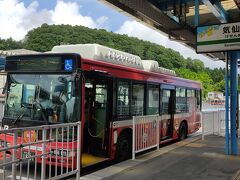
<point x="183" y="131"/>
<point x="124" y="147"/>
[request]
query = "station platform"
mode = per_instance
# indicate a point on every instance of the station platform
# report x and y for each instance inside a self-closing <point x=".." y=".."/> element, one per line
<point x="192" y="158"/>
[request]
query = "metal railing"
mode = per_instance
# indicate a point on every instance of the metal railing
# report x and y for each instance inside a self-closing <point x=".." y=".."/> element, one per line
<point x="40" y="152"/>
<point x="213" y="122"/>
<point x="145" y="133"/>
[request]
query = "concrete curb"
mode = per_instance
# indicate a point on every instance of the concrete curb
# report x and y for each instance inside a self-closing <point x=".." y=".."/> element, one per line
<point x="236" y="176"/>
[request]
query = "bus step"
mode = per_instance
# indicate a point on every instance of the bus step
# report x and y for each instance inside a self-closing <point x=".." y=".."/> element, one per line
<point x="165" y="140"/>
<point x="89" y="159"/>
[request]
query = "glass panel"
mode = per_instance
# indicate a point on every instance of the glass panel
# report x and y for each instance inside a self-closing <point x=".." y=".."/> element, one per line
<point x="190" y="93"/>
<point x="28" y="95"/>
<point x="165" y="101"/>
<point x="190" y="100"/>
<point x="123" y="99"/>
<point x="181" y="100"/>
<point x="198" y="96"/>
<point x="101" y="94"/>
<point x="100" y="110"/>
<point x="137" y="99"/>
<point x="50" y="96"/>
<point x="14" y="98"/>
<point x="153" y="100"/>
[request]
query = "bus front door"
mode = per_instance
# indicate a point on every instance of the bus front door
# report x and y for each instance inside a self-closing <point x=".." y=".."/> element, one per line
<point x="96" y="120"/>
<point x="167" y="113"/>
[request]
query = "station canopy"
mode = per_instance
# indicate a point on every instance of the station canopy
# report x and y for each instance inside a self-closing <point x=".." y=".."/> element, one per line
<point x="178" y="18"/>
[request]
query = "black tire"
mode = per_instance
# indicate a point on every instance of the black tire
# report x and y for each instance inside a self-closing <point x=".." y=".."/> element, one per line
<point x="183" y="131"/>
<point x="124" y="147"/>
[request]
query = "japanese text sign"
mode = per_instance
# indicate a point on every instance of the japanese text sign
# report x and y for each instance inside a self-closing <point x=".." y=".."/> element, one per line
<point x="224" y="37"/>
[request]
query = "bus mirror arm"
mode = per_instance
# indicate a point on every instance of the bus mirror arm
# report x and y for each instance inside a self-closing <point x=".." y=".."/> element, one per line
<point x="4" y="89"/>
<point x="75" y="84"/>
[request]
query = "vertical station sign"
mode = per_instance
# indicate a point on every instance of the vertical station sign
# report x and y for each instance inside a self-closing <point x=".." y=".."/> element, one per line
<point x="223" y="37"/>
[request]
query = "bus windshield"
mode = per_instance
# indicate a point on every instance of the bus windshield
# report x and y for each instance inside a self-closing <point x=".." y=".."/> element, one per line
<point x="41" y="97"/>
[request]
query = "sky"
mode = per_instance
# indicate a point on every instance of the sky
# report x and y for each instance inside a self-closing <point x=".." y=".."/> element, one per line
<point x="17" y="17"/>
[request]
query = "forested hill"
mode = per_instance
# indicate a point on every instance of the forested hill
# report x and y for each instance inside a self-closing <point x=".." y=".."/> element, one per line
<point x="45" y="37"/>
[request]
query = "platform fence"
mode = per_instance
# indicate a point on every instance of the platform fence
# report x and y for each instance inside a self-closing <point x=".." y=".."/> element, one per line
<point x="213" y="122"/>
<point x="40" y="152"/>
<point x="145" y="133"/>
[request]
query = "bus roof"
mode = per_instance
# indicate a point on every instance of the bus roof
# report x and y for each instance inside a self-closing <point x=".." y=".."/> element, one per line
<point x="106" y="54"/>
<point x="101" y="53"/>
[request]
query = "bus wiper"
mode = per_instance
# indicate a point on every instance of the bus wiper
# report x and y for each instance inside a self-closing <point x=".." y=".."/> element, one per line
<point x="41" y="109"/>
<point x="21" y="115"/>
<point x="18" y="118"/>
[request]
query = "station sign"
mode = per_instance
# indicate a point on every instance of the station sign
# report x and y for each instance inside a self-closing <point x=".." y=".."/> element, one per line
<point x="222" y="37"/>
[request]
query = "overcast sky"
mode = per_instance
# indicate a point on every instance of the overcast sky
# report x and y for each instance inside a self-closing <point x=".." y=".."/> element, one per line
<point x="17" y="17"/>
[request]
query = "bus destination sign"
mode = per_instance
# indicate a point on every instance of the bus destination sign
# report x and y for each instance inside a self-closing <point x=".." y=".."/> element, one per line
<point x="223" y="37"/>
<point x="38" y="63"/>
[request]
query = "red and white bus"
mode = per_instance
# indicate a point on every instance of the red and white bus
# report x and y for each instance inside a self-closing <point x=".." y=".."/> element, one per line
<point x="103" y="88"/>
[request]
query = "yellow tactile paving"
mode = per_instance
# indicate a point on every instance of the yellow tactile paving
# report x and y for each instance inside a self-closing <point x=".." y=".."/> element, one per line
<point x="88" y="159"/>
<point x="196" y="145"/>
<point x="221" y="156"/>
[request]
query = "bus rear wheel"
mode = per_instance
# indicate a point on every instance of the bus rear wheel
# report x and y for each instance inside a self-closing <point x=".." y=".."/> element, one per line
<point x="183" y="131"/>
<point x="124" y="147"/>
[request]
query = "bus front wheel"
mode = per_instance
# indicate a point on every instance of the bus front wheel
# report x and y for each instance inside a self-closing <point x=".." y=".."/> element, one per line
<point x="183" y="131"/>
<point x="124" y="147"/>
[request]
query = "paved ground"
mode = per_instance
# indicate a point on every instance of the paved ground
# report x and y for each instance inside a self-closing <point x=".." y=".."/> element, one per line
<point x="192" y="159"/>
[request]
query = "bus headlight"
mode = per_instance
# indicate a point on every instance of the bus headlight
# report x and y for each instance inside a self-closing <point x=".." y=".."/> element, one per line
<point x="62" y="153"/>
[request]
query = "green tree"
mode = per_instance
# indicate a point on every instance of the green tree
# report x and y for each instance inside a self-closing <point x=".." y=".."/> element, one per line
<point x="8" y="44"/>
<point x="203" y="77"/>
<point x="45" y="37"/>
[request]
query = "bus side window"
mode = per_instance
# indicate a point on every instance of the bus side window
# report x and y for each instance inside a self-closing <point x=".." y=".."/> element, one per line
<point x="190" y="100"/>
<point x="137" y="99"/>
<point x="181" y="101"/>
<point x="153" y="100"/>
<point x="123" y="104"/>
<point x="165" y="101"/>
<point x="198" y="96"/>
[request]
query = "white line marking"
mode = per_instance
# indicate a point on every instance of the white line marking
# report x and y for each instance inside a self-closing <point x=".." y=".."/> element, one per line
<point x="23" y="178"/>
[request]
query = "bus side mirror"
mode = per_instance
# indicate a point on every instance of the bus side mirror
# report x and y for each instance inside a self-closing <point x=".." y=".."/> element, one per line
<point x="75" y="84"/>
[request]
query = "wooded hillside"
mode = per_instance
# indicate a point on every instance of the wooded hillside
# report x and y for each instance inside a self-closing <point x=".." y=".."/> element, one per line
<point x="45" y="37"/>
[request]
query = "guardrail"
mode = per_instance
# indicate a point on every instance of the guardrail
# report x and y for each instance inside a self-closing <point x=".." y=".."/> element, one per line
<point x="213" y="122"/>
<point x="145" y="129"/>
<point x="145" y="133"/>
<point x="53" y="150"/>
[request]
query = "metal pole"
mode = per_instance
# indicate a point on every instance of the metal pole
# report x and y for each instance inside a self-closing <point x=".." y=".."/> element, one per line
<point x="202" y="118"/>
<point x="43" y="170"/>
<point x="133" y="139"/>
<point x="233" y="71"/>
<point x="196" y="17"/>
<point x="158" y="132"/>
<point x="213" y="119"/>
<point x="14" y="157"/>
<point x="227" y="151"/>
<point x="218" y="123"/>
<point x="78" y="150"/>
